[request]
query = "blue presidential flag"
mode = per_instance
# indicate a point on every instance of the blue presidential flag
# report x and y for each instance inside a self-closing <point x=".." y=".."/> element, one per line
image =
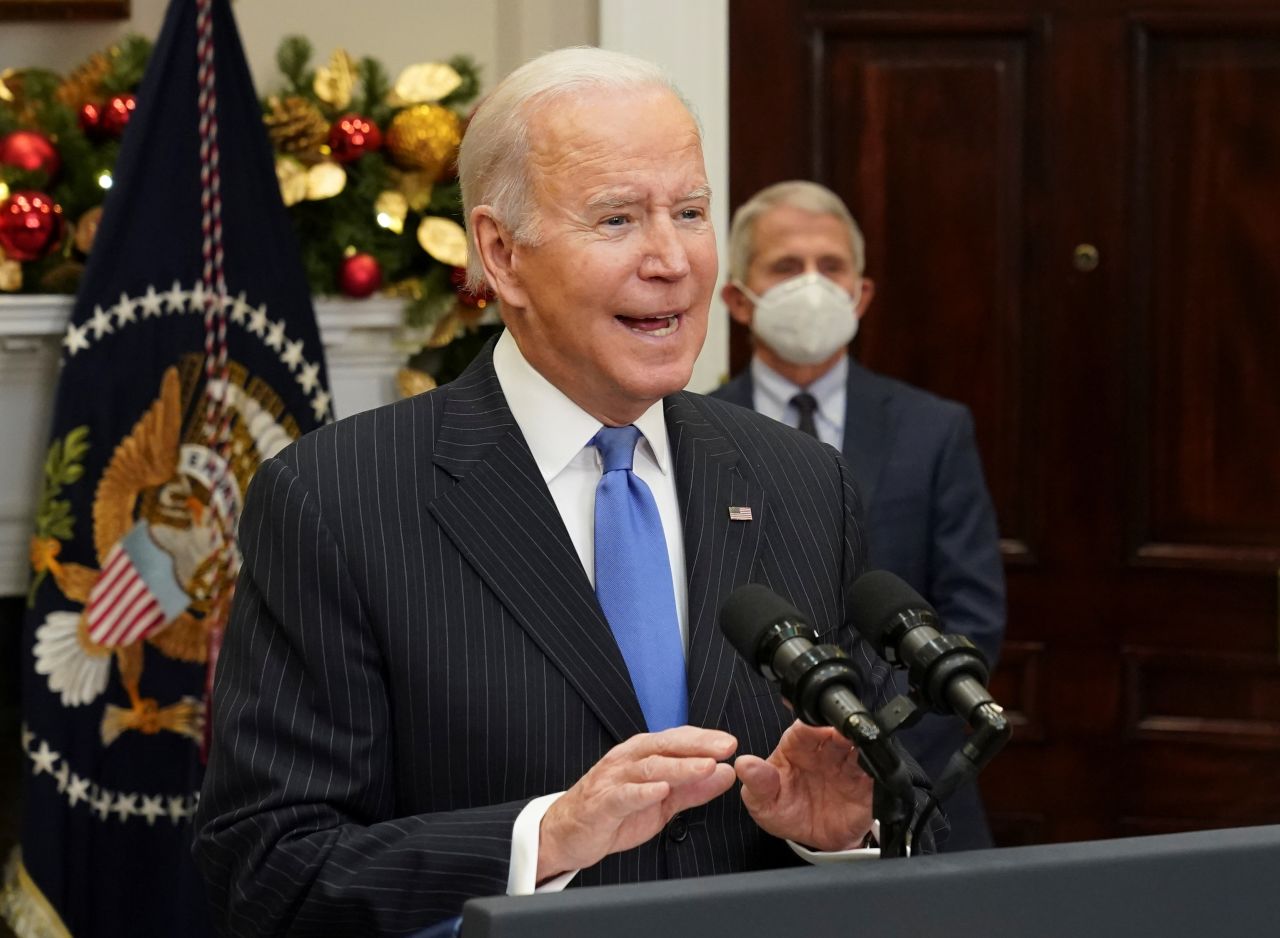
<point x="192" y="354"/>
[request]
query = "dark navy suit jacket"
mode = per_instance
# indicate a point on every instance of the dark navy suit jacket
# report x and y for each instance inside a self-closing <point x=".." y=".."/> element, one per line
<point x="929" y="520"/>
<point x="415" y="652"/>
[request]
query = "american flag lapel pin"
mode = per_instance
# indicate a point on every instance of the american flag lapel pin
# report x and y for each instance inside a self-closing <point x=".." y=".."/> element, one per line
<point x="739" y="513"/>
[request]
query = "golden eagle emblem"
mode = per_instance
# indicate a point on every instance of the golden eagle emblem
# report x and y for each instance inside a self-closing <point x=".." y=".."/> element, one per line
<point x="164" y="516"/>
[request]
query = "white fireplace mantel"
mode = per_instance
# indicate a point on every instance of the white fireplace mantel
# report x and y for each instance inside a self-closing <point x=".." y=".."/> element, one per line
<point x="362" y="349"/>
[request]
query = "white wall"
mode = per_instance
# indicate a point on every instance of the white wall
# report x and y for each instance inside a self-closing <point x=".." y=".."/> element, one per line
<point x="499" y="34"/>
<point x="62" y="46"/>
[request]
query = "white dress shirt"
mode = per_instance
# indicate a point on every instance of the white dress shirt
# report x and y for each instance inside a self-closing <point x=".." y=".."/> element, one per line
<point x="559" y="434"/>
<point x="772" y="393"/>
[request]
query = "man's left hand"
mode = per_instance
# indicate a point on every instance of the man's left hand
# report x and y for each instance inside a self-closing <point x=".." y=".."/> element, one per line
<point x="810" y="790"/>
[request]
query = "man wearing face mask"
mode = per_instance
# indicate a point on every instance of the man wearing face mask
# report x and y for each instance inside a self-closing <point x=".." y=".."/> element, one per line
<point x="796" y="280"/>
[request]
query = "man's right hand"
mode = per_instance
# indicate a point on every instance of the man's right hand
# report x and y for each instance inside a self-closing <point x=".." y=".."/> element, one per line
<point x="630" y="794"/>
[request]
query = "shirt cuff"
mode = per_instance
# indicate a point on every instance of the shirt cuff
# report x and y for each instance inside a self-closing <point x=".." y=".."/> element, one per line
<point x="818" y="857"/>
<point x="522" y="875"/>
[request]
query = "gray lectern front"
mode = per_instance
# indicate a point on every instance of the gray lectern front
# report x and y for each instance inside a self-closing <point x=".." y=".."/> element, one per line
<point x="1199" y="885"/>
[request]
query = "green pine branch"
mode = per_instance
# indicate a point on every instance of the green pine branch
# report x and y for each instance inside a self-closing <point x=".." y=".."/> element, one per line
<point x="375" y="87"/>
<point x="293" y="58"/>
<point x="128" y="64"/>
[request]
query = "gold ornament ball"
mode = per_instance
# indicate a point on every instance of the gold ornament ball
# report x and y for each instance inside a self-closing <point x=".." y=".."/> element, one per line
<point x="425" y="137"/>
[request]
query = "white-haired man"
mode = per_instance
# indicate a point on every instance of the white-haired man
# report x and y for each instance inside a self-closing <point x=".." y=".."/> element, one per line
<point x="475" y="645"/>
<point x="796" y="279"/>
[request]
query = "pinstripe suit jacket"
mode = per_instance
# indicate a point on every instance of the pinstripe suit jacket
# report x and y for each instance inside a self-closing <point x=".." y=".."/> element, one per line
<point x="416" y="651"/>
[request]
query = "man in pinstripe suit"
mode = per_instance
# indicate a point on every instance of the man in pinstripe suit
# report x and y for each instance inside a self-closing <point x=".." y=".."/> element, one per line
<point x="419" y="698"/>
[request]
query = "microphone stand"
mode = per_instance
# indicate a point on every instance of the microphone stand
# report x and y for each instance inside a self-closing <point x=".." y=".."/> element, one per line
<point x="893" y="795"/>
<point x="991" y="730"/>
<point x="893" y="798"/>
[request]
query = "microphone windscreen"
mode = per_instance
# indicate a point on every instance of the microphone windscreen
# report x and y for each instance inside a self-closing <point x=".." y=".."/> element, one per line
<point x="877" y="598"/>
<point x="748" y="614"/>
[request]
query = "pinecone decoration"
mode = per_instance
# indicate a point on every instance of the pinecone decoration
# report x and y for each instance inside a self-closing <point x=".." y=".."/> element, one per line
<point x="13" y="94"/>
<point x="85" y="83"/>
<point x="64" y="277"/>
<point x="297" y="127"/>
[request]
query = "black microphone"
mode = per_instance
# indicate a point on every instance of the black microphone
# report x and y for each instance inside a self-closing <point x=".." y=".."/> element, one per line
<point x="821" y="685"/>
<point x="946" y="672"/>
<point x="819" y="682"/>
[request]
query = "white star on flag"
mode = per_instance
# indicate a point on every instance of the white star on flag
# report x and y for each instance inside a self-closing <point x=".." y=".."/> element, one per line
<point x="198" y="296"/>
<point x="275" y="335"/>
<point x="126" y="806"/>
<point x="177" y="810"/>
<point x="151" y="303"/>
<point x="100" y="322"/>
<point x="44" y="759"/>
<point x="292" y="355"/>
<point x="101" y="804"/>
<point x="78" y="790"/>
<point x="240" y="310"/>
<point x="258" y="320"/>
<point x="152" y="808"/>
<point x="309" y="377"/>
<point x="124" y="310"/>
<point x="320" y="404"/>
<point x="176" y="298"/>
<point x="76" y="339"/>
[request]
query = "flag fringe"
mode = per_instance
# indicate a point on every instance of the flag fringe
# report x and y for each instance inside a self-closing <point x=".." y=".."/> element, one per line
<point x="24" y="907"/>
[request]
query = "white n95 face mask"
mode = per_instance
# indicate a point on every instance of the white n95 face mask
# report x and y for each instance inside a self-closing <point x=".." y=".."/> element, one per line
<point x="806" y="319"/>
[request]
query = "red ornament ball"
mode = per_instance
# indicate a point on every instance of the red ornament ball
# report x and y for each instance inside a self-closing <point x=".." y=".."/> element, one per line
<point x="359" y="275"/>
<point x="89" y="117"/>
<point x="352" y="136"/>
<point x="116" y="114"/>
<point x="31" y="225"/>
<point x="458" y="277"/>
<point x="30" y="151"/>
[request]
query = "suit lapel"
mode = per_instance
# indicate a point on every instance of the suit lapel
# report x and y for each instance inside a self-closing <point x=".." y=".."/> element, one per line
<point x="719" y="552"/>
<point x="866" y="430"/>
<point x="501" y="517"/>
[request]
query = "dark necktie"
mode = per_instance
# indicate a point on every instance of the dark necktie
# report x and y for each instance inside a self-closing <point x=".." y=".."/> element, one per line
<point x="633" y="582"/>
<point x="807" y="405"/>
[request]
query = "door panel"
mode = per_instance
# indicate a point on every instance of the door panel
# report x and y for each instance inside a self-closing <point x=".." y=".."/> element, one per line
<point x="1208" y="173"/>
<point x="898" y="97"/>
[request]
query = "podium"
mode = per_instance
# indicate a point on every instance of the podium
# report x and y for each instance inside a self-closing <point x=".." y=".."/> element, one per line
<point x="1200" y="885"/>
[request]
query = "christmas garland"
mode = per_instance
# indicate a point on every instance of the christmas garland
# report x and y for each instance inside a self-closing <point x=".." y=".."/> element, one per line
<point x="366" y="169"/>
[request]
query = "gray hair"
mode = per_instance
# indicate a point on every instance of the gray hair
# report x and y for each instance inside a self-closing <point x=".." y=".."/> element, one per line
<point x="493" y="165"/>
<point x="797" y="193"/>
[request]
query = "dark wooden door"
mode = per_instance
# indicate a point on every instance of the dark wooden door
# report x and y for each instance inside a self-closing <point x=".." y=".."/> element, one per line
<point x="1072" y="212"/>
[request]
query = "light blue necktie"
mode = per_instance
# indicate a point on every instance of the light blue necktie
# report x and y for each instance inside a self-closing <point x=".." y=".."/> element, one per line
<point x="633" y="582"/>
